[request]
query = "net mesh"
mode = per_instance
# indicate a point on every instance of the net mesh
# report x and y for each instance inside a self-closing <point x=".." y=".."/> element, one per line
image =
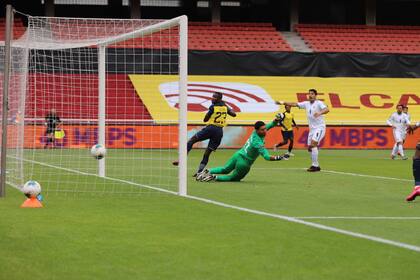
<point x="54" y="105"/>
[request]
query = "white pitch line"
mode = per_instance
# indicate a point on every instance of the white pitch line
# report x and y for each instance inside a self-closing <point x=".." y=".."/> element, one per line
<point x="257" y="212"/>
<point x="341" y="173"/>
<point x="355" y="218"/>
<point x="95" y="175"/>
<point x="311" y="224"/>
<point x="366" y="176"/>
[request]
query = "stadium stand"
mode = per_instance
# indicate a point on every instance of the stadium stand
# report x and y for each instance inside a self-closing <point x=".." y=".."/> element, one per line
<point x="361" y="38"/>
<point x="202" y="36"/>
<point x="236" y="37"/>
<point x="221" y="37"/>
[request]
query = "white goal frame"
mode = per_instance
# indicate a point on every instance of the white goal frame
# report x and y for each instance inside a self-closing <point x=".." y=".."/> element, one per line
<point x="182" y="23"/>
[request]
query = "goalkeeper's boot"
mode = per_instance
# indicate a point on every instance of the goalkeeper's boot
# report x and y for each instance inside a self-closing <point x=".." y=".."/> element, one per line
<point x="404" y="157"/>
<point x="202" y="174"/>
<point x="414" y="194"/>
<point x="175" y="163"/>
<point x="208" y="178"/>
<point x="290" y="154"/>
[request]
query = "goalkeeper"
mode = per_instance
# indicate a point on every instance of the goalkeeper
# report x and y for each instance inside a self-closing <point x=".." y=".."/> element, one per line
<point x="240" y="163"/>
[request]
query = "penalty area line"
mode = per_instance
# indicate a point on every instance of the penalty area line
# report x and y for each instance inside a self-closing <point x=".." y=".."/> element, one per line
<point x="310" y="224"/>
<point x="252" y="211"/>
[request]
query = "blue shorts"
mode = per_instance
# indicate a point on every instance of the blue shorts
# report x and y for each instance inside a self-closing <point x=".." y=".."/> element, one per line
<point x="287" y="135"/>
<point x="212" y="132"/>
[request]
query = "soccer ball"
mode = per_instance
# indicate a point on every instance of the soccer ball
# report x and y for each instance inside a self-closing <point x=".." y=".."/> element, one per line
<point x="98" y="151"/>
<point x="31" y="189"/>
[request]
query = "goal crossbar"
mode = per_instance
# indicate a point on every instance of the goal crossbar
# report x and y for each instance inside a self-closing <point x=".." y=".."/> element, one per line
<point x="144" y="31"/>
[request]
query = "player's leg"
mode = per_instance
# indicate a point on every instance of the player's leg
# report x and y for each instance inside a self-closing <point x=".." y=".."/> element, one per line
<point x="291" y="138"/>
<point x="282" y="143"/>
<point x="395" y="148"/>
<point x="314" y="138"/>
<point x="401" y="146"/>
<point x="215" y="140"/>
<point x="47" y="140"/>
<point x="53" y="138"/>
<point x="209" y="175"/>
<point x="201" y="135"/>
<point x="227" y="168"/>
<point x="49" y="137"/>
<point x="416" y="174"/>
<point x="241" y="169"/>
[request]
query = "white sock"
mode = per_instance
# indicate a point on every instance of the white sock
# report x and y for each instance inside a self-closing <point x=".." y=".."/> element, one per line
<point x="395" y="149"/>
<point x="314" y="156"/>
<point x="401" y="150"/>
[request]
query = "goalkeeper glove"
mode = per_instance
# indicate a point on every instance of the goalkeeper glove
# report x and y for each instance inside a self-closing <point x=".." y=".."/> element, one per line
<point x="284" y="157"/>
<point x="279" y="116"/>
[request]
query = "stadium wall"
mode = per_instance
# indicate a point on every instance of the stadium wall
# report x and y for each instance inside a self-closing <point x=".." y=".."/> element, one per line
<point x="259" y="63"/>
<point x="372" y="85"/>
<point x="161" y="137"/>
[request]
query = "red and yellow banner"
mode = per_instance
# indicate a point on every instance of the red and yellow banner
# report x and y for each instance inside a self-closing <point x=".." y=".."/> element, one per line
<point x="352" y="101"/>
<point x="166" y="137"/>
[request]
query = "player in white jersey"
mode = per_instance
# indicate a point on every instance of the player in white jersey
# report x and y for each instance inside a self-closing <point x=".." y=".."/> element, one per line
<point x="399" y="123"/>
<point x="315" y="109"/>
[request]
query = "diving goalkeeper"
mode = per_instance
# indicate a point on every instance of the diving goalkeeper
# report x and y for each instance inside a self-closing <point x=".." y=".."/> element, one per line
<point x="240" y="163"/>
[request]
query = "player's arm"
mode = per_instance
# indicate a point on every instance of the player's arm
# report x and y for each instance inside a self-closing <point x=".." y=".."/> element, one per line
<point x="231" y="112"/>
<point x="294" y="123"/>
<point x="322" y="112"/>
<point x="209" y="113"/>
<point x="293" y="104"/>
<point x="390" y="121"/>
<point x="266" y="155"/>
<point x="411" y="128"/>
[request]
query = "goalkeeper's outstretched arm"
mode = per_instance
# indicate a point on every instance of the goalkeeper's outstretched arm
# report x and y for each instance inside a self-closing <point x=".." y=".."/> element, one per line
<point x="266" y="155"/>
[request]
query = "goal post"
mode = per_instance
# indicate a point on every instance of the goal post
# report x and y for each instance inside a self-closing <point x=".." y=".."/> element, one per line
<point x="183" y="82"/>
<point x="182" y="22"/>
<point x="5" y="97"/>
<point x="94" y="76"/>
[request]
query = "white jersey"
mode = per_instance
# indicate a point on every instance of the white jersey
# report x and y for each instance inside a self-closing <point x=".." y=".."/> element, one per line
<point x="399" y="121"/>
<point x="311" y="109"/>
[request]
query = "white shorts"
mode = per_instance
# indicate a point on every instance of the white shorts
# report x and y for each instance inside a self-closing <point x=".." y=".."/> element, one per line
<point x="316" y="134"/>
<point x="399" y="136"/>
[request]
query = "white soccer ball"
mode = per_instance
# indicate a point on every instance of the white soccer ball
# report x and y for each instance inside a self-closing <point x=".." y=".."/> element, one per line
<point x="31" y="189"/>
<point x="98" y="151"/>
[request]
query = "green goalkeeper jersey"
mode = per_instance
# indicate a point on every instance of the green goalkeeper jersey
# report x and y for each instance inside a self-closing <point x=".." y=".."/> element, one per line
<point x="255" y="146"/>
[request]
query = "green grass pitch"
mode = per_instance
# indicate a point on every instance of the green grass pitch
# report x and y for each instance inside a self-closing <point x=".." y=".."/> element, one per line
<point x="152" y="235"/>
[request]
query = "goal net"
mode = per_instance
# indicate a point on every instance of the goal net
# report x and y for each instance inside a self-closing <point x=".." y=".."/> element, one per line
<point x="78" y="82"/>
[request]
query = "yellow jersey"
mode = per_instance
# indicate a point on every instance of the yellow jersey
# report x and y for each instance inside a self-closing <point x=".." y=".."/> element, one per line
<point x="288" y="121"/>
<point x="218" y="115"/>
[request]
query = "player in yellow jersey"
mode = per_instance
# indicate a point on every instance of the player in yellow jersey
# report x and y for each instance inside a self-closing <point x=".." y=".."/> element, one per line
<point x="287" y="130"/>
<point x="215" y="120"/>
